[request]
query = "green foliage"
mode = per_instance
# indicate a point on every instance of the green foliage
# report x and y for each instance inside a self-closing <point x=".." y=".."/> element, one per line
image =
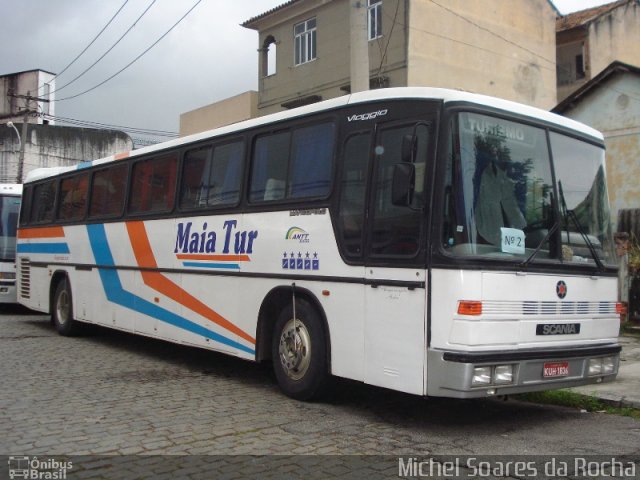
<point x="634" y="256"/>
<point x="566" y="398"/>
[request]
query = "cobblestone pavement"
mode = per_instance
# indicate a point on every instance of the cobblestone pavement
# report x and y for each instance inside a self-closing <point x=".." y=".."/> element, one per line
<point x="114" y="393"/>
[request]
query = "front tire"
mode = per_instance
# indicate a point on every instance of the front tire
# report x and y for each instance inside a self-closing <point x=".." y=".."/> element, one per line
<point x="299" y="352"/>
<point x="62" y="311"/>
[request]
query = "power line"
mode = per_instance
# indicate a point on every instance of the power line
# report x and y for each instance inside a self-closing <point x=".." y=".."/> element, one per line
<point x="552" y="62"/>
<point x="90" y="43"/>
<point x="134" y="60"/>
<point x="471" y="45"/>
<point x="110" y="48"/>
<point x="88" y="123"/>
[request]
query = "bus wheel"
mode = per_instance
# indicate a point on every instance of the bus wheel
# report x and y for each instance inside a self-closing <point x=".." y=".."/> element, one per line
<point x="299" y="352"/>
<point x="62" y="311"/>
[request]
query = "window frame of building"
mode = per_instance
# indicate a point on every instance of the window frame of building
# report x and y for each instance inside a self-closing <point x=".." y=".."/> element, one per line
<point x="304" y="41"/>
<point x="374" y="19"/>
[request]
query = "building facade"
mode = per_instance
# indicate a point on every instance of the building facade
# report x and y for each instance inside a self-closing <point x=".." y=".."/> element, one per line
<point x="16" y="90"/>
<point x="505" y="49"/>
<point x="610" y="102"/>
<point x="590" y="40"/>
<point x="29" y="137"/>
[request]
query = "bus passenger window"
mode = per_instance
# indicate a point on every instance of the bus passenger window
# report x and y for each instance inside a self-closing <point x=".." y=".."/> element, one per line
<point x="44" y="196"/>
<point x="226" y="174"/>
<point x="269" y="167"/>
<point x="212" y="178"/>
<point x="73" y="197"/>
<point x="108" y="191"/>
<point x="153" y="185"/>
<point x="195" y="177"/>
<point x="311" y="162"/>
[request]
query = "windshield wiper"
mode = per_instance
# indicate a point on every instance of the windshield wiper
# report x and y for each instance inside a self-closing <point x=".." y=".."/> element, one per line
<point x="571" y="214"/>
<point x="533" y="254"/>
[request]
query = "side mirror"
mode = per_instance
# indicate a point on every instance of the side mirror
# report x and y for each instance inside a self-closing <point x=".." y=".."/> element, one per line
<point x="404" y="178"/>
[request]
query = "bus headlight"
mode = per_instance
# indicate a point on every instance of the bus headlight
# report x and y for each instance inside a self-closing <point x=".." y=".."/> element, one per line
<point x="595" y="366"/>
<point x="481" y="376"/>
<point x="503" y="374"/>
<point x="602" y="366"/>
<point x="608" y="365"/>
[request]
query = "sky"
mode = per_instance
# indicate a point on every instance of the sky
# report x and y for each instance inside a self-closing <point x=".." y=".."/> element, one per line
<point x="205" y="58"/>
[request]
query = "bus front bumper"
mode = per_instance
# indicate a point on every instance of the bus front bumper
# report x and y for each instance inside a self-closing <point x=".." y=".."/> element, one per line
<point x="481" y="374"/>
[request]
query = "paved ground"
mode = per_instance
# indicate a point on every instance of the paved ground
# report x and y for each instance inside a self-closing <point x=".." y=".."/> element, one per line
<point x="116" y="394"/>
<point x="625" y="390"/>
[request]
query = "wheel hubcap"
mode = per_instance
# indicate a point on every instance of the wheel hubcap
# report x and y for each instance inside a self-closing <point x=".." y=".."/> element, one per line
<point x="62" y="307"/>
<point x="295" y="349"/>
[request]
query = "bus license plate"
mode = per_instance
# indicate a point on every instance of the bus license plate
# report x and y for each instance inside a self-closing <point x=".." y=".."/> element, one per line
<point x="556" y="369"/>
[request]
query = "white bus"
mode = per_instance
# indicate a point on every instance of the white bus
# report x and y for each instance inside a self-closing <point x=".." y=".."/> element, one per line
<point x="424" y="240"/>
<point x="10" y="198"/>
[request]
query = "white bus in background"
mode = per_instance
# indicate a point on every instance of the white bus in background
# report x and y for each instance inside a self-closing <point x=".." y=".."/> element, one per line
<point x="429" y="241"/>
<point x="10" y="198"/>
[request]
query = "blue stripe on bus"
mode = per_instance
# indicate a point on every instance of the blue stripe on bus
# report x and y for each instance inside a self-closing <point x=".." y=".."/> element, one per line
<point x="118" y="295"/>
<point x="42" y="248"/>
<point x="83" y="165"/>
<point x="228" y="266"/>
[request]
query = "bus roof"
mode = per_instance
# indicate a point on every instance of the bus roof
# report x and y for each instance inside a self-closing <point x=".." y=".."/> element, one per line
<point x="399" y="93"/>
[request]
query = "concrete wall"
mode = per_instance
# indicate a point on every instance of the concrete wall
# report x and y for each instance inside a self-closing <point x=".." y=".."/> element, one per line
<point x="231" y="110"/>
<point x="613" y="109"/>
<point x="52" y="146"/>
<point x="615" y="37"/>
<point x="499" y="48"/>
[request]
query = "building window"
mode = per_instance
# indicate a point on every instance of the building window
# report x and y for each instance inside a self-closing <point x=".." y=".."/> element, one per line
<point x="268" y="52"/>
<point x="374" y="18"/>
<point x="305" y="41"/>
<point x="580" y="71"/>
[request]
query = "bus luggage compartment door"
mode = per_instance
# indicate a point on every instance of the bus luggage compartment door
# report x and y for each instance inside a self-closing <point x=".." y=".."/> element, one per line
<point x="395" y="338"/>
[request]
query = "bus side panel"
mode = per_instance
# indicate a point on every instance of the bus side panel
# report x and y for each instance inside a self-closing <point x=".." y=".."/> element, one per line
<point x="300" y="244"/>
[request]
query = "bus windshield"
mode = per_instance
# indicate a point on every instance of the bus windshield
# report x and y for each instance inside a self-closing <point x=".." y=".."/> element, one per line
<point x="501" y="200"/>
<point x="9" y="208"/>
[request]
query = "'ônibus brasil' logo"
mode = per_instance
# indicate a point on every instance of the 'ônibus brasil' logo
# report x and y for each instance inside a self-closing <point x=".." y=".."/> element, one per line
<point x="297" y="233"/>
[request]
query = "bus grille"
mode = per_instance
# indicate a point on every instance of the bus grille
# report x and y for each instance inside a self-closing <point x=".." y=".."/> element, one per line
<point x="25" y="278"/>
<point x="548" y="308"/>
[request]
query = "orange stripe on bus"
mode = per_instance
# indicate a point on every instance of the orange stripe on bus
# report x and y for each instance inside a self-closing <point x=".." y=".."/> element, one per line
<point x="43" y="232"/>
<point x="120" y="156"/>
<point x="157" y="281"/>
<point x="217" y="258"/>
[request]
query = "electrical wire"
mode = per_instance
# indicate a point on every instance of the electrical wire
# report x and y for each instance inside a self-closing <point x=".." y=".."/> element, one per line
<point x="383" y="53"/>
<point x="88" y="123"/>
<point x="90" y="43"/>
<point x="552" y="62"/>
<point x="105" y="53"/>
<point x="455" y="40"/>
<point x="134" y="60"/>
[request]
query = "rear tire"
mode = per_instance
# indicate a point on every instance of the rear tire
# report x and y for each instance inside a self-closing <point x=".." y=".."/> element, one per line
<point x="299" y="352"/>
<point x="62" y="310"/>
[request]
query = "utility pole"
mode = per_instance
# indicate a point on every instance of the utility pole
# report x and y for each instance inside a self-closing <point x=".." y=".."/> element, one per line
<point x="25" y="121"/>
<point x="359" y="50"/>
